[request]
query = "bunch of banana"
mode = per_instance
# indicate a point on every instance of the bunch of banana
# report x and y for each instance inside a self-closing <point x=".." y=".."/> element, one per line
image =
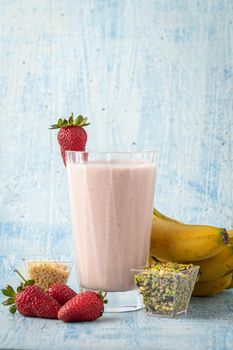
<point x="207" y="246"/>
<point x="231" y="284"/>
<point x="205" y="289"/>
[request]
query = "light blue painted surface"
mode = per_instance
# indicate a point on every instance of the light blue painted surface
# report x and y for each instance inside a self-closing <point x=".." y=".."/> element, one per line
<point x="157" y="74"/>
<point x="128" y="331"/>
<point x="208" y="325"/>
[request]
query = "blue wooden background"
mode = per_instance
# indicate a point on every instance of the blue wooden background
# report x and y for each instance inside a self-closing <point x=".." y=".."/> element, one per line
<point x="153" y="74"/>
<point x="148" y="73"/>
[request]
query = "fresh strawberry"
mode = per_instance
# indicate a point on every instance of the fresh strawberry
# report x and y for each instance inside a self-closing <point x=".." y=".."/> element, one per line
<point x="71" y="136"/>
<point x="86" y="306"/>
<point x="41" y="304"/>
<point x="30" y="300"/>
<point x="61" y="292"/>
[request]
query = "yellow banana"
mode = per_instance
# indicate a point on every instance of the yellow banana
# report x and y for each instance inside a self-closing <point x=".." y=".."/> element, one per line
<point x="151" y="260"/>
<point x="205" y="289"/>
<point x="155" y="259"/>
<point x="230" y="233"/>
<point x="162" y="216"/>
<point x="217" y="266"/>
<point x="212" y="268"/>
<point x="180" y="242"/>
<point x="231" y="284"/>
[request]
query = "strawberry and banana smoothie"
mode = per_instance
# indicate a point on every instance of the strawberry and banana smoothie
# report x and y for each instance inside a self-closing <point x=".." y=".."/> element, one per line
<point x="111" y="205"/>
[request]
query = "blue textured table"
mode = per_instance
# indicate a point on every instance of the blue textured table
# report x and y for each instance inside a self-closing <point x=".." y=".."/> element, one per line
<point x="207" y="325"/>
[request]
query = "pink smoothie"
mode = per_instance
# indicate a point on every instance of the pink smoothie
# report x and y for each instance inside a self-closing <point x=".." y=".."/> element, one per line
<point x="111" y="205"/>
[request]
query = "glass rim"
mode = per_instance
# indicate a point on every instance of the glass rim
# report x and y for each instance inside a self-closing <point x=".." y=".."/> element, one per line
<point x="111" y="152"/>
<point x="40" y="258"/>
<point x="157" y="272"/>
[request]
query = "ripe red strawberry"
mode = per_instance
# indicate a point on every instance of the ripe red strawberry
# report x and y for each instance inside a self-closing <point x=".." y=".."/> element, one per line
<point x="71" y="136"/>
<point x="30" y="300"/>
<point x="86" y="306"/>
<point x="61" y="292"/>
<point x="38" y="301"/>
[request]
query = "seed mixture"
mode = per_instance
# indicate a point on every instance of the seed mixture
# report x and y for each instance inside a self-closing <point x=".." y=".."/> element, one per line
<point x="45" y="273"/>
<point x="166" y="287"/>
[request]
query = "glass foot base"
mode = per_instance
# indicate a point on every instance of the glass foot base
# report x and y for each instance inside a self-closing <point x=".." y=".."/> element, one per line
<point x="122" y="301"/>
<point x="122" y="309"/>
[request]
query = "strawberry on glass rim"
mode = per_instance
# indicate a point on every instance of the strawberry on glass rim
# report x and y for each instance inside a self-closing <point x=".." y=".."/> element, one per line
<point x="72" y="136"/>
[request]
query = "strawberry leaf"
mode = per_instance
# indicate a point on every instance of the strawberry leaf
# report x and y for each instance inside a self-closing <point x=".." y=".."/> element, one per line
<point x="71" y="119"/>
<point x="83" y="121"/>
<point x="12" y="309"/>
<point x="29" y="283"/>
<point x="8" y="291"/>
<point x="54" y="126"/>
<point x="59" y="123"/>
<point x="102" y="296"/>
<point x="79" y="120"/>
<point x="8" y="301"/>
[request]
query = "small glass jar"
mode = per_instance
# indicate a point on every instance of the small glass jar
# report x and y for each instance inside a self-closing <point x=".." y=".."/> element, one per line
<point x="44" y="270"/>
<point x="166" y="288"/>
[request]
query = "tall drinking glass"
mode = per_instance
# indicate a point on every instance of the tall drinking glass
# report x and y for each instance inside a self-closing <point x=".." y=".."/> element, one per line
<point x="111" y="195"/>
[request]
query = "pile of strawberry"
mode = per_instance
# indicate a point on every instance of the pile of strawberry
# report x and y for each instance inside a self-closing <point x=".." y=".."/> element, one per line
<point x="60" y="302"/>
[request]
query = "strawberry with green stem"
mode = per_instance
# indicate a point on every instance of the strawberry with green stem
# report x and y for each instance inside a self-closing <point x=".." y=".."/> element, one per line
<point x="30" y="300"/>
<point x="72" y="136"/>
<point x="86" y="306"/>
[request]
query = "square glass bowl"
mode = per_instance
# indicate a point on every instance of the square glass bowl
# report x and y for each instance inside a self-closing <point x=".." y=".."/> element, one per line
<point x="44" y="270"/>
<point x="47" y="272"/>
<point x="165" y="293"/>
